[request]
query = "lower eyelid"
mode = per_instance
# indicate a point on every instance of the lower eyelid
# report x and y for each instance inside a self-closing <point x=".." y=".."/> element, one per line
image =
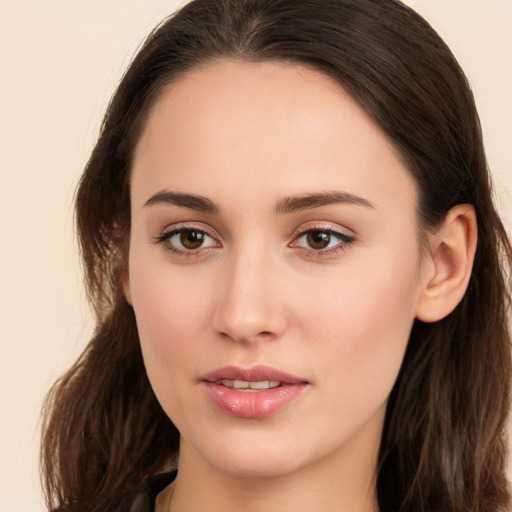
<point x="325" y="253"/>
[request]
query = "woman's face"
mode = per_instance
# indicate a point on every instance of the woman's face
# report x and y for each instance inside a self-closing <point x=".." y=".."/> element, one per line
<point x="274" y="267"/>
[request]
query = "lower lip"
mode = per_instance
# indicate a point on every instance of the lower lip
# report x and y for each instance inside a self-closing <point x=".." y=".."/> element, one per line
<point x="256" y="404"/>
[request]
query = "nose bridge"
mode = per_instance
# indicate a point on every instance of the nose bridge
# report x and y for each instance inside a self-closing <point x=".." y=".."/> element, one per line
<point x="249" y="304"/>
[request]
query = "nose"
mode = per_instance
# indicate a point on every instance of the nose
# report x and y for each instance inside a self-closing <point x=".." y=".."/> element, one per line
<point x="252" y="300"/>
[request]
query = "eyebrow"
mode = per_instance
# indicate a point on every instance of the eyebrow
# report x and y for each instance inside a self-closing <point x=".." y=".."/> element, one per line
<point x="284" y="206"/>
<point x="198" y="203"/>
<point x="310" y="201"/>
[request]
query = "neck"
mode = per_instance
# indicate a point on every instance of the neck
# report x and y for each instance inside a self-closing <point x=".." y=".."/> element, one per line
<point x="343" y="481"/>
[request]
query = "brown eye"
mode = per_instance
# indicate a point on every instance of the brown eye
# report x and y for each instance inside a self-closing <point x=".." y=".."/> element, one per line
<point x="186" y="241"/>
<point x="192" y="239"/>
<point x="322" y="241"/>
<point x="318" y="239"/>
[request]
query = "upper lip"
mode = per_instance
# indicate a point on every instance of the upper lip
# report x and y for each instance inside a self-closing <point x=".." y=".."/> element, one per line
<point x="254" y="374"/>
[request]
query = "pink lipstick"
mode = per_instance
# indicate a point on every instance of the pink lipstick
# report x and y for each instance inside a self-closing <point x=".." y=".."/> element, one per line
<point x="254" y="392"/>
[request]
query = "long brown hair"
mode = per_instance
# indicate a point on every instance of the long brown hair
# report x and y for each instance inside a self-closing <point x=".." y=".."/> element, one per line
<point x="443" y="446"/>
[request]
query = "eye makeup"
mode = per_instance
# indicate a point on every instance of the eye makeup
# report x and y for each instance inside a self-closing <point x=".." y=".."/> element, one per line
<point x="193" y="240"/>
<point x="319" y="240"/>
<point x="187" y="239"/>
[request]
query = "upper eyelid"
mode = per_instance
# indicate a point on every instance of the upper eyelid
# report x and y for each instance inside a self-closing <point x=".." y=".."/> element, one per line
<point x="192" y="226"/>
<point x="301" y="230"/>
<point x="343" y="238"/>
<point x="163" y="237"/>
<point x="322" y="226"/>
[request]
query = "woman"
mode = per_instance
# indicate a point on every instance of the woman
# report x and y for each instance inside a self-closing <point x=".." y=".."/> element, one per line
<point x="298" y="273"/>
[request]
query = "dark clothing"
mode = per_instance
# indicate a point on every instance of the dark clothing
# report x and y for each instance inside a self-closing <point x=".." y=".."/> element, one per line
<point x="144" y="500"/>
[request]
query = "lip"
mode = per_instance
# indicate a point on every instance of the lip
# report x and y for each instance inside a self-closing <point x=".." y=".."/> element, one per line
<point x="253" y="374"/>
<point x="258" y="404"/>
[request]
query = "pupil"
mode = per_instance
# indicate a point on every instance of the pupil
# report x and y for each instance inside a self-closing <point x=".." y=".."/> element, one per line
<point x="191" y="239"/>
<point x="318" y="239"/>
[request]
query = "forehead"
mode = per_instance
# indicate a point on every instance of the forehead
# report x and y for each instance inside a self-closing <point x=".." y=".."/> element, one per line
<point x="265" y="126"/>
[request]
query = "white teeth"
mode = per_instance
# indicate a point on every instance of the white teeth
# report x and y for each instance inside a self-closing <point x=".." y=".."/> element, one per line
<point x="247" y="385"/>
<point x="264" y="384"/>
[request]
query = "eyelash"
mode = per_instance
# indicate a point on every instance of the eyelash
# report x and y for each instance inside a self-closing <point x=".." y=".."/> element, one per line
<point x="164" y="238"/>
<point x="345" y="240"/>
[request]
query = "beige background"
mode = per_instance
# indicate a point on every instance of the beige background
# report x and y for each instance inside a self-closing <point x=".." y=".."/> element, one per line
<point x="59" y="63"/>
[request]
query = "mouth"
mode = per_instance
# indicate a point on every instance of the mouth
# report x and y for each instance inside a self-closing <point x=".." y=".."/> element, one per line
<point x="256" y="377"/>
<point x="248" y="386"/>
<point x="255" y="392"/>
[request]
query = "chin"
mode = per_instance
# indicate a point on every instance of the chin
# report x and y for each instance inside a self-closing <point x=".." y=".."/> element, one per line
<point x="257" y="465"/>
<point x="246" y="457"/>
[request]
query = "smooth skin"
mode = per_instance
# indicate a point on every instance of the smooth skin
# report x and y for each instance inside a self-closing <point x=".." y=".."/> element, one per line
<point x="245" y="273"/>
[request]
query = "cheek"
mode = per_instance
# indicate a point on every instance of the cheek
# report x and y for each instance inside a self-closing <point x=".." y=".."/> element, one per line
<point x="362" y="324"/>
<point x="171" y="312"/>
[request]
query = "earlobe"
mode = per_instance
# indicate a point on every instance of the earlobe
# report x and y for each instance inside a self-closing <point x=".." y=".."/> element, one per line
<point x="451" y="254"/>
<point x="127" y="291"/>
<point x="125" y="283"/>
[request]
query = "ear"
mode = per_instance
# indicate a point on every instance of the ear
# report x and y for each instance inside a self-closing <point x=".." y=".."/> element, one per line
<point x="118" y="235"/>
<point x="125" y="283"/>
<point x="448" y="264"/>
<point x="124" y="273"/>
